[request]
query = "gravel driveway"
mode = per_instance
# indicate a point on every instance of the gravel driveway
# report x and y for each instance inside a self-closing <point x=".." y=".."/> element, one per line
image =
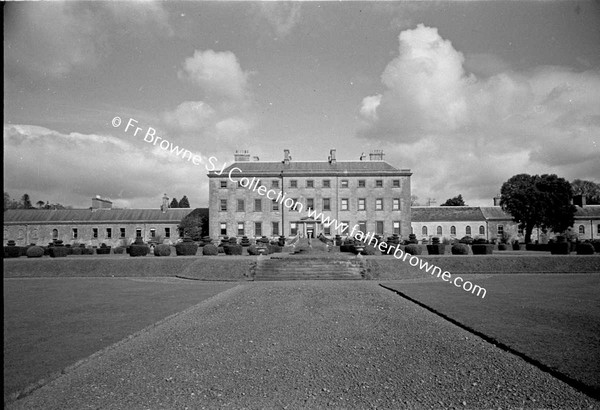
<point x="306" y="344"/>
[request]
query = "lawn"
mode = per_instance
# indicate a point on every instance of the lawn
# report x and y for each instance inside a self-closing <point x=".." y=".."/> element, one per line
<point x="553" y="319"/>
<point x="51" y="323"/>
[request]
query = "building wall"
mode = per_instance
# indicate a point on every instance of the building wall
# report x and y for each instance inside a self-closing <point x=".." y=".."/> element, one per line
<point x="335" y="193"/>
<point x="42" y="234"/>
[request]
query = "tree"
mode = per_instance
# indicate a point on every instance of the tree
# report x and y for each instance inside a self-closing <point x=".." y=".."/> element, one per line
<point x="174" y="203"/>
<point x="589" y="189"/>
<point x="535" y="200"/>
<point x="456" y="201"/>
<point x="184" y="203"/>
<point x="40" y="204"/>
<point x="11" y="203"/>
<point x="26" y="201"/>
<point x="191" y="224"/>
<point x="414" y="200"/>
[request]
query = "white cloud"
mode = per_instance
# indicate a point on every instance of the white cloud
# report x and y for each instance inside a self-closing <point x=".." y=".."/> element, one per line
<point x="464" y="134"/>
<point x="43" y="162"/>
<point x="282" y="16"/>
<point x="218" y="74"/>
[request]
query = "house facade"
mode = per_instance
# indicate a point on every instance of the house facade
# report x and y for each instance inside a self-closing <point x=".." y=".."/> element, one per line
<point x="256" y="198"/>
<point x="94" y="226"/>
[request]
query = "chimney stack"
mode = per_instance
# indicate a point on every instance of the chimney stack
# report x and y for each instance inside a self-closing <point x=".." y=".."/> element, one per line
<point x="376" y="155"/>
<point x="241" y="155"/>
<point x="579" y="200"/>
<point x="497" y="200"/>
<point x="332" y="156"/>
<point x="101" y="203"/>
<point x="286" y="156"/>
<point x="165" y="203"/>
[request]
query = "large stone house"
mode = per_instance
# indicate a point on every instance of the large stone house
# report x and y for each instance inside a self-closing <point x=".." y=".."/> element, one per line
<point x="256" y="198"/>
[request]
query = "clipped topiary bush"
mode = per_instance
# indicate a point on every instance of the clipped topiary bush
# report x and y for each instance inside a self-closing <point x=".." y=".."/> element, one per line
<point x="412" y="239"/>
<point x="77" y="251"/>
<point x="585" y="248"/>
<point x="35" y="252"/>
<point x="560" y="247"/>
<point x="460" y="249"/>
<point x="482" y="248"/>
<point x="502" y="247"/>
<point x="413" y="249"/>
<point x="252" y="250"/>
<point x="272" y="248"/>
<point x="119" y="250"/>
<point x="210" y="250"/>
<point x="234" y="250"/>
<point x="58" y="250"/>
<point x="516" y="246"/>
<point x="186" y="248"/>
<point x="245" y="241"/>
<point x="11" y="250"/>
<point x="103" y="250"/>
<point x="436" y="248"/>
<point x="162" y="250"/>
<point x="138" y="248"/>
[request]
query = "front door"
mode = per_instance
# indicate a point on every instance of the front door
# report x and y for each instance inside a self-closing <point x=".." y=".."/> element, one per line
<point x="310" y="230"/>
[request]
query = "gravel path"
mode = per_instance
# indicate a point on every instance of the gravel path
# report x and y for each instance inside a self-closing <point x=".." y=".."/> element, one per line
<point x="305" y="345"/>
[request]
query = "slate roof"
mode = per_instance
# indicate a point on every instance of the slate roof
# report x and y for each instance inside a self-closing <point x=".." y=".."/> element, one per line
<point x="339" y="168"/>
<point x="44" y="216"/>
<point x="588" y="212"/>
<point x="446" y="213"/>
<point x="495" y="213"/>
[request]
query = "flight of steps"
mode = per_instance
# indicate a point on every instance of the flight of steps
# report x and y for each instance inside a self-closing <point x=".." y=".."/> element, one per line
<point x="308" y="268"/>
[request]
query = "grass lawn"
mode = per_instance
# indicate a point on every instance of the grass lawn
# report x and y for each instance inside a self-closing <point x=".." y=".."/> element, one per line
<point x="51" y="323"/>
<point x="553" y="319"/>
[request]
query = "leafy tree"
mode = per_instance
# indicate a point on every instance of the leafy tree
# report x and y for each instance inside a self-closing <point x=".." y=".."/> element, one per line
<point x="191" y="224"/>
<point x="26" y="201"/>
<point x="535" y="200"/>
<point x="184" y="202"/>
<point x="589" y="189"/>
<point x="174" y="203"/>
<point x="11" y="203"/>
<point x="40" y="204"/>
<point x="414" y="200"/>
<point x="456" y="201"/>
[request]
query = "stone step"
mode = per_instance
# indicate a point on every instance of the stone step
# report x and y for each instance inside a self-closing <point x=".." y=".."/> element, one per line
<point x="292" y="268"/>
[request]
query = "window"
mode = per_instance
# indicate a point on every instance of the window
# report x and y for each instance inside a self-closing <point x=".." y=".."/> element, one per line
<point x="379" y="183"/>
<point x="581" y="229"/>
<point x="293" y="228"/>
<point x="223" y="228"/>
<point x="344" y="183"/>
<point x="153" y="233"/>
<point x="500" y="230"/>
<point x="310" y="183"/>
<point x="224" y="184"/>
<point x="55" y="234"/>
<point x="379" y="204"/>
<point x="296" y="206"/>
<point x="94" y="232"/>
<point x="275" y="205"/>
<point x="258" y="205"/>
<point x="344" y="227"/>
<point x="275" y="228"/>
<point x="241" y="206"/>
<point x="362" y="183"/>
<point x="138" y="232"/>
<point x="241" y="229"/>
<point x="327" y="230"/>
<point x="453" y="230"/>
<point x="326" y="183"/>
<point x="310" y="203"/>
<point x="362" y="226"/>
<point x="481" y="230"/>
<point x="424" y="230"/>
<point x="275" y="183"/>
<point x="396" y="227"/>
<point x="468" y="230"/>
<point x="74" y="233"/>
<point x="396" y="183"/>
<point x="223" y="204"/>
<point x="293" y="183"/>
<point x="122" y="232"/>
<point x="326" y="204"/>
<point x="345" y="204"/>
<point x="109" y="232"/>
<point x="439" y="230"/>
<point x="362" y="204"/>
<point x="258" y="228"/>
<point x="379" y="227"/>
<point x="167" y="232"/>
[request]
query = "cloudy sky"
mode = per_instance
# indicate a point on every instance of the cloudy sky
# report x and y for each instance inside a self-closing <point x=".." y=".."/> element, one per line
<point x="465" y="94"/>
